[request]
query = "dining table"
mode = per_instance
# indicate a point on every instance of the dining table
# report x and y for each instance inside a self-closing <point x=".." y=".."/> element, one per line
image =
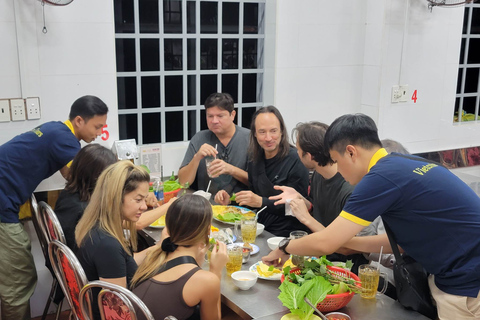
<point x="261" y="301"/>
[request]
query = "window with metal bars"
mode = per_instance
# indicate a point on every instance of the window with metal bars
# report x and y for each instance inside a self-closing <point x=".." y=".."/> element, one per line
<point x="172" y="54"/>
<point x="468" y="82"/>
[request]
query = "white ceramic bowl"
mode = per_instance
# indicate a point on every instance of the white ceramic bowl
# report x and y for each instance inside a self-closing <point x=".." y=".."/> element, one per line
<point x="244" y="280"/>
<point x="273" y="242"/>
<point x="206" y="195"/>
<point x="260" y="228"/>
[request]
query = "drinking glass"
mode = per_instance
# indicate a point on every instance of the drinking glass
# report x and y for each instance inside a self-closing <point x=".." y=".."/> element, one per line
<point x="235" y="256"/>
<point x="297" y="260"/>
<point x="208" y="162"/>
<point x="248" y="226"/>
<point x="370" y="276"/>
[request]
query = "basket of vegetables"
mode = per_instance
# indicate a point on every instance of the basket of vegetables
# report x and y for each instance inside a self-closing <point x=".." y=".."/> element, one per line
<point x="171" y="188"/>
<point x="325" y="285"/>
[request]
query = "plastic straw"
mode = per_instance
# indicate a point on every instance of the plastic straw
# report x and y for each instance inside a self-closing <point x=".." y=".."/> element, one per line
<point x="380" y="258"/>
<point x="256" y="216"/>
<point x="208" y="187"/>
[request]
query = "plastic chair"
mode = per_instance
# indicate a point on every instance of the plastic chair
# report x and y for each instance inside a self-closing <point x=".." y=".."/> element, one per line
<point x="42" y="238"/>
<point x="115" y="302"/>
<point x="69" y="273"/>
<point x="52" y="227"/>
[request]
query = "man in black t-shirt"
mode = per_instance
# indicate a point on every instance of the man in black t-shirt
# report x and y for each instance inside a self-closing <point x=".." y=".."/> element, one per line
<point x="328" y="189"/>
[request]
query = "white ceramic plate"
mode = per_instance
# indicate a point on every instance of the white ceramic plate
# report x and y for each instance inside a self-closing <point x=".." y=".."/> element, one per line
<point x="253" y="268"/>
<point x="254" y="246"/>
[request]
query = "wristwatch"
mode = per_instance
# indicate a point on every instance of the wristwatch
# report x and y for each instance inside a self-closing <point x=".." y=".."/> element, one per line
<point x="282" y="245"/>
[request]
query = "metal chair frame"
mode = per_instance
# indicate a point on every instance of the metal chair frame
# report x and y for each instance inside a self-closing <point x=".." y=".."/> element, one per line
<point x="53" y="228"/>
<point x="38" y="224"/>
<point x="125" y="295"/>
<point x="57" y="251"/>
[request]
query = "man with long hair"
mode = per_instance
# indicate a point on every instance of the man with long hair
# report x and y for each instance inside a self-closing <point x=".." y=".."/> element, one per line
<point x="272" y="161"/>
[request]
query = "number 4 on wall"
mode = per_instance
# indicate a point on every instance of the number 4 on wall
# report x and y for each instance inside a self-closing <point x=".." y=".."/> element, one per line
<point x="414" y="96"/>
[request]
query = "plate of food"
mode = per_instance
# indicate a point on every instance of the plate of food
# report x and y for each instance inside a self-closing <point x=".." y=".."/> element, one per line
<point x="230" y="214"/>
<point x="255" y="248"/>
<point x="159" y="223"/>
<point x="266" y="272"/>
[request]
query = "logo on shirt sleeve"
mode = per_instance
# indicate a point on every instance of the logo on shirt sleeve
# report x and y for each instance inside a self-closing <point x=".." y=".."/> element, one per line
<point x="424" y="169"/>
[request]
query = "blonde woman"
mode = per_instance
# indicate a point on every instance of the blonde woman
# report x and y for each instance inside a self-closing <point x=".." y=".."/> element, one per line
<point x="118" y="200"/>
<point x="170" y="281"/>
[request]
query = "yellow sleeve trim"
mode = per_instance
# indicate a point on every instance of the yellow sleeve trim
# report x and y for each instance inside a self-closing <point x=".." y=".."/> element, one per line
<point x="354" y="219"/>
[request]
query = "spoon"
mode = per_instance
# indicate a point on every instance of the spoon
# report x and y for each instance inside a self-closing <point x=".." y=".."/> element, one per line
<point x="315" y="308"/>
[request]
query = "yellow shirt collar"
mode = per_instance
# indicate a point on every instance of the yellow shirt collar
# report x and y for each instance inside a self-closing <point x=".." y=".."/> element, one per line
<point x="69" y="124"/>
<point x="377" y="156"/>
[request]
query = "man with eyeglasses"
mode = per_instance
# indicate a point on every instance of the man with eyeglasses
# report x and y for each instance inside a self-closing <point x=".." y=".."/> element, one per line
<point x="226" y="142"/>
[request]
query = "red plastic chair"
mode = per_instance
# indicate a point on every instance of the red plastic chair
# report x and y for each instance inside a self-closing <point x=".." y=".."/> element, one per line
<point x="39" y="226"/>
<point x="53" y="228"/>
<point x="69" y="273"/>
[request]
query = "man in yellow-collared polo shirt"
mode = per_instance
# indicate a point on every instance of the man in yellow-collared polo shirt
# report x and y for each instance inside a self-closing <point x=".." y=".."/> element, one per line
<point x="434" y="216"/>
<point x="25" y="161"/>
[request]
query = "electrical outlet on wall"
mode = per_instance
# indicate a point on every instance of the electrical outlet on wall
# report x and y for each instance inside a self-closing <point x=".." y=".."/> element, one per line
<point x="4" y="110"/>
<point x="33" y="108"/>
<point x="17" y="109"/>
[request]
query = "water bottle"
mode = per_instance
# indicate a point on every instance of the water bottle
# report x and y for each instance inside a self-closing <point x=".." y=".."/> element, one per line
<point x="158" y="190"/>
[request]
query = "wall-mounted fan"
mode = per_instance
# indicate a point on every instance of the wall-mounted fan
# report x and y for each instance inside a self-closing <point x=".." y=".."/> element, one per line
<point x="57" y="2"/>
<point x="447" y="3"/>
<point x="52" y="3"/>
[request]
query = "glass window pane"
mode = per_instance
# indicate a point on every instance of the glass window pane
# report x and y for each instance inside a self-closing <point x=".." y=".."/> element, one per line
<point x="192" y="123"/>
<point x="123" y="12"/>
<point x="465" y="21"/>
<point x="230" y="17"/>
<point x="459" y="80"/>
<point x="191" y="54"/>
<point x="128" y="127"/>
<point x="456" y="108"/>
<point x="173" y="91"/>
<point x="230" y="54"/>
<point x="208" y="17"/>
<point x="208" y="85"/>
<point x="462" y="50"/>
<point x="191" y="17"/>
<point x="149" y="55"/>
<point x="208" y="54"/>
<point x="172" y="16"/>
<point x="249" y="91"/>
<point x="471" y="80"/>
<point x="247" y="114"/>
<point x="150" y="92"/>
<point x="473" y="50"/>
<point x="469" y="104"/>
<point x="203" y="120"/>
<point x="173" y="54"/>
<point x="235" y="119"/>
<point x="148" y="16"/>
<point x="125" y="53"/>
<point x="127" y="92"/>
<point x="250" y="53"/>
<point x="151" y="128"/>
<point x="192" y="90"/>
<point x="475" y="27"/>
<point x="250" y="18"/>
<point x="174" y="126"/>
<point x="230" y="85"/>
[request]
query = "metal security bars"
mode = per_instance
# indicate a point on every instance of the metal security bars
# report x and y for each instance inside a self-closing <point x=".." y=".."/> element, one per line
<point x="172" y="54"/>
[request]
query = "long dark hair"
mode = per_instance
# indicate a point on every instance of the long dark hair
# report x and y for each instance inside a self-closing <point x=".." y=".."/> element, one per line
<point x="86" y="167"/>
<point x="255" y="151"/>
<point x="192" y="208"/>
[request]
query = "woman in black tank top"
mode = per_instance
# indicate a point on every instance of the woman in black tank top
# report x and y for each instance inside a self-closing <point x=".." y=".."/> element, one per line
<point x="170" y="281"/>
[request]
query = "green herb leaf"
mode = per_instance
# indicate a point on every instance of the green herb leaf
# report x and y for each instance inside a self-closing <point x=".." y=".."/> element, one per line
<point x="233" y="197"/>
